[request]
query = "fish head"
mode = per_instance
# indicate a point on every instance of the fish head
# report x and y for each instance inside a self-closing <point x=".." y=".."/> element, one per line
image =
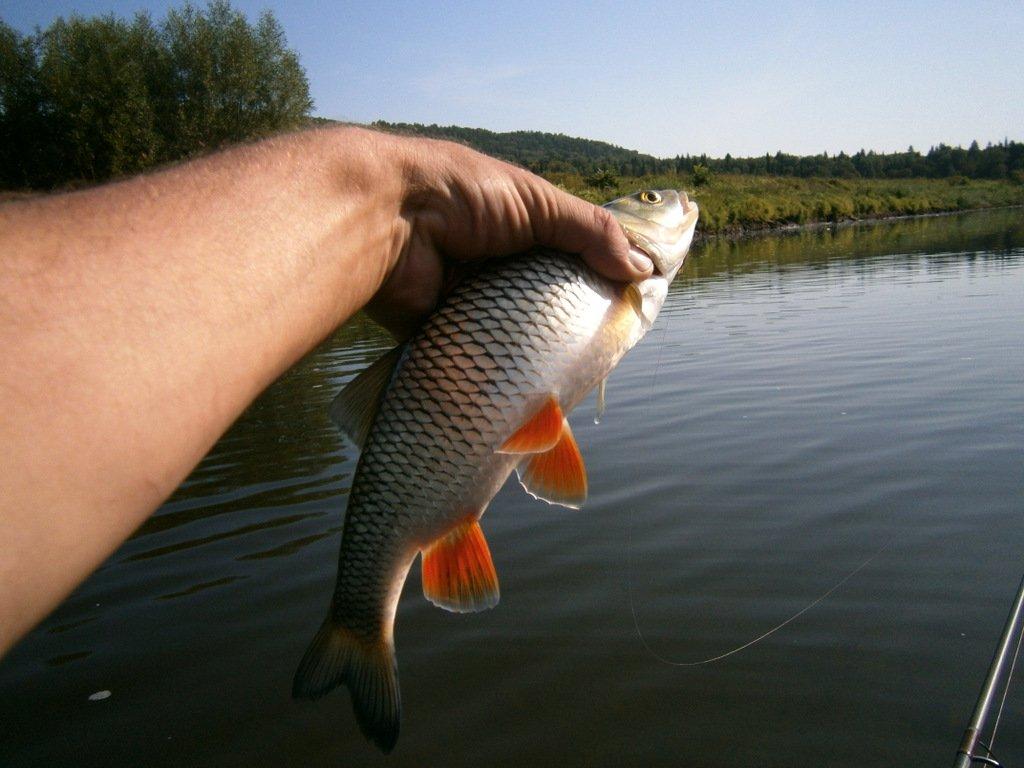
<point x="660" y="224"/>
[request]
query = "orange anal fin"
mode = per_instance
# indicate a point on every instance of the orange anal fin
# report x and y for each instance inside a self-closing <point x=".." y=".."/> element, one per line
<point x="557" y="476"/>
<point x="540" y="432"/>
<point x="458" y="574"/>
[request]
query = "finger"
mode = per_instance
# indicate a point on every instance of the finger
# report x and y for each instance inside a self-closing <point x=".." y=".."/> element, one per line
<point x="409" y="294"/>
<point x="570" y="224"/>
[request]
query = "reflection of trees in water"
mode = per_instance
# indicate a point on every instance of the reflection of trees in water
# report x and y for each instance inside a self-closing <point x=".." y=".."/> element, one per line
<point x="284" y="449"/>
<point x="994" y="232"/>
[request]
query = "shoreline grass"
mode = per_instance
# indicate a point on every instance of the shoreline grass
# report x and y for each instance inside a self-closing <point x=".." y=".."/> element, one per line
<point x="735" y="205"/>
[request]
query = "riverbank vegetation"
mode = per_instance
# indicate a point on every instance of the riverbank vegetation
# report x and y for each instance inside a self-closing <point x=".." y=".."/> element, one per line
<point x="737" y="204"/>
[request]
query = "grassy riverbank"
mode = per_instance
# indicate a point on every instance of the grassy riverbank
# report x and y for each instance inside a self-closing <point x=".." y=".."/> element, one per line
<point x="734" y="204"/>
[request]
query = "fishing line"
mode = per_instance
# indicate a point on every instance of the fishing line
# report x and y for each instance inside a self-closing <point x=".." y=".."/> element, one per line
<point x="657" y="366"/>
<point x="759" y="638"/>
<point x="744" y="646"/>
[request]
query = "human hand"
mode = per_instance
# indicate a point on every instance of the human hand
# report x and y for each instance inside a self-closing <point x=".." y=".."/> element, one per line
<point x="461" y="205"/>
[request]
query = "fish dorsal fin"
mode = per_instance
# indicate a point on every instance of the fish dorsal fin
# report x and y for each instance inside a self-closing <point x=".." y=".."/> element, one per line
<point x="458" y="574"/>
<point x="557" y="476"/>
<point x="540" y="432"/>
<point x="356" y="405"/>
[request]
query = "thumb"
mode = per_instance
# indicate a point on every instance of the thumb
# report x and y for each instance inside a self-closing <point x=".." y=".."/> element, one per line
<point x="570" y="224"/>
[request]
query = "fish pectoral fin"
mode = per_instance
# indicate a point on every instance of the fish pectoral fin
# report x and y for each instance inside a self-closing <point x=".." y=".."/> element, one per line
<point x="632" y="294"/>
<point x="458" y="574"/>
<point x="357" y="404"/>
<point x="540" y="432"/>
<point x="558" y="475"/>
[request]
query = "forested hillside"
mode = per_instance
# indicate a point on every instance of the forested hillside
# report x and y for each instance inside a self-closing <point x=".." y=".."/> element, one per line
<point x="540" y="152"/>
<point x="557" y="153"/>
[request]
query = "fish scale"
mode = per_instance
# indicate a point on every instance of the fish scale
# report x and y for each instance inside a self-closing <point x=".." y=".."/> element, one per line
<point x="452" y="403"/>
<point x="482" y="387"/>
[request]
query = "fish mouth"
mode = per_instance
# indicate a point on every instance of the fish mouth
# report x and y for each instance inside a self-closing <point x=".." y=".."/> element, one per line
<point x="641" y="245"/>
<point x="689" y="210"/>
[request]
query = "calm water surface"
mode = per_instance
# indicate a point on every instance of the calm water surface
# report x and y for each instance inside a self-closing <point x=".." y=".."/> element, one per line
<point x="804" y="401"/>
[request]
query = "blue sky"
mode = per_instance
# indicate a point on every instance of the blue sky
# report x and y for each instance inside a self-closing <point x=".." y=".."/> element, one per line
<point x="664" y="78"/>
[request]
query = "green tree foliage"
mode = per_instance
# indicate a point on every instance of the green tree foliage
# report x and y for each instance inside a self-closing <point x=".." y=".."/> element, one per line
<point x="556" y="153"/>
<point x="540" y="152"/>
<point x="230" y="81"/>
<point x="91" y="99"/>
<point x="602" y="180"/>
<point x="24" y="130"/>
<point x="701" y="175"/>
<point x="96" y="96"/>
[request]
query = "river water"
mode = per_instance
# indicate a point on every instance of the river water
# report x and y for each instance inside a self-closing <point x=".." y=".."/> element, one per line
<point x="807" y="405"/>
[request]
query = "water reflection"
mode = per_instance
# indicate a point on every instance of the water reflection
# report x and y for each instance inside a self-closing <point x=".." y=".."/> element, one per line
<point x="310" y="463"/>
<point x="200" y="587"/>
<point x="803" y="399"/>
<point x="65" y="658"/>
<point x="989" y="236"/>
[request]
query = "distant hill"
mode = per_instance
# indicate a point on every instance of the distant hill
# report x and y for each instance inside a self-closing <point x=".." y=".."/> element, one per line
<point x="541" y="152"/>
<point x="558" y="153"/>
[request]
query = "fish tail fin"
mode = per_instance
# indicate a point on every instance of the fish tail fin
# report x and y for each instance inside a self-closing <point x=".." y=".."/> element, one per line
<point x="369" y="670"/>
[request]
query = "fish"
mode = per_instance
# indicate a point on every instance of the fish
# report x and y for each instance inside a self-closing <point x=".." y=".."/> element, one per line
<point x="481" y="389"/>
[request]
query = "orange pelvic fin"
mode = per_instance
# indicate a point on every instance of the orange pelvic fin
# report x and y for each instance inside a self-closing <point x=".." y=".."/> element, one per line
<point x="458" y="574"/>
<point x="540" y="432"/>
<point x="557" y="476"/>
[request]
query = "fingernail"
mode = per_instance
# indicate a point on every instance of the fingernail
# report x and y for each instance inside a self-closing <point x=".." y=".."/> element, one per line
<point x="640" y="260"/>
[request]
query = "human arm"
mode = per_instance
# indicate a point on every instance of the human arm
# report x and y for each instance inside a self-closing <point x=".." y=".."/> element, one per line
<point x="139" y="319"/>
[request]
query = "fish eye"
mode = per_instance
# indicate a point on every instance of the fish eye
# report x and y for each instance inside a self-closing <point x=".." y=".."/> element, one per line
<point x="650" y="196"/>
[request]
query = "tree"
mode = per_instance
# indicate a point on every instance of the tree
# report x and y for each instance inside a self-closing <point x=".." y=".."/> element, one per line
<point x="701" y="175"/>
<point x="231" y="81"/>
<point x="23" y="127"/>
<point x="91" y="99"/>
<point x="602" y="179"/>
<point x="99" y="107"/>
